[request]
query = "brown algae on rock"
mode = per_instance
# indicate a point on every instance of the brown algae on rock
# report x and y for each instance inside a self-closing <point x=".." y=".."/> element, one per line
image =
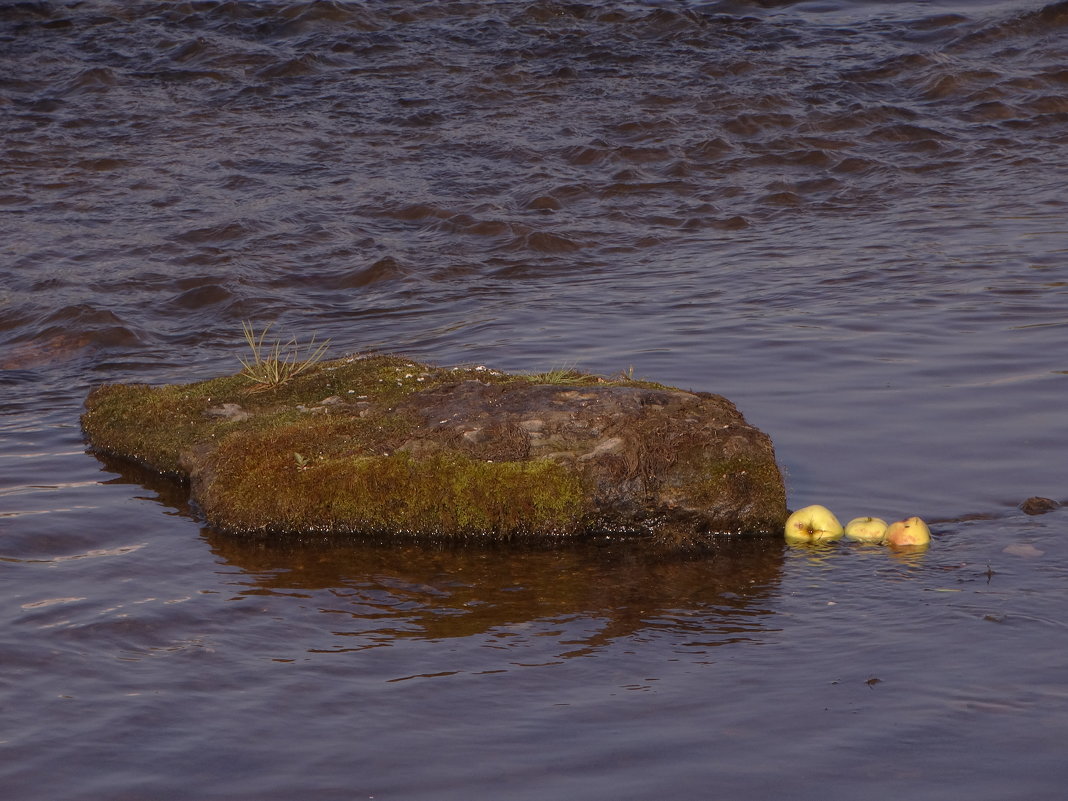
<point x="382" y="445"/>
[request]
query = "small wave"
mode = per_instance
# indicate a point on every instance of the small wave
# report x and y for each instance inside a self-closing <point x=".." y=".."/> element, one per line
<point x="1027" y="25"/>
<point x="93" y="80"/>
<point x="544" y="242"/>
<point x="221" y="233"/>
<point x="292" y="68"/>
<point x="48" y="348"/>
<point x="199" y="297"/>
<point x="51" y="602"/>
<point x="96" y="553"/>
<point x="386" y="269"/>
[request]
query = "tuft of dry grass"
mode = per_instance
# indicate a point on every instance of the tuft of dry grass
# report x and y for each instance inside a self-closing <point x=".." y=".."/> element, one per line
<point x="565" y="375"/>
<point x="274" y="365"/>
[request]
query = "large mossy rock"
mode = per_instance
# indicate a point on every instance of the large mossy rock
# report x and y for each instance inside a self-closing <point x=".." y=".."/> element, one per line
<point x="380" y="445"/>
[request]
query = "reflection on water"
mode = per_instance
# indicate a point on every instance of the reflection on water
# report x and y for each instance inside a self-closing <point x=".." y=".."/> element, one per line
<point x="449" y="591"/>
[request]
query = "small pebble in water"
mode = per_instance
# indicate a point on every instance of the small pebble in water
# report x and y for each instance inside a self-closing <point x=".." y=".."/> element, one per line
<point x="1038" y="506"/>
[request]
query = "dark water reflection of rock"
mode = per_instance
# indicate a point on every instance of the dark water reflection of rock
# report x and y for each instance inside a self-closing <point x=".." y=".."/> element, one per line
<point x="435" y="591"/>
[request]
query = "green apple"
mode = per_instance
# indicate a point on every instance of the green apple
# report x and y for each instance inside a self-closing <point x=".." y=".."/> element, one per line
<point x="866" y="529"/>
<point x="813" y="524"/>
<point x="909" y="532"/>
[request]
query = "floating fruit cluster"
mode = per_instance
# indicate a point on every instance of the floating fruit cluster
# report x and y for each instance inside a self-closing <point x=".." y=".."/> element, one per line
<point x="818" y="524"/>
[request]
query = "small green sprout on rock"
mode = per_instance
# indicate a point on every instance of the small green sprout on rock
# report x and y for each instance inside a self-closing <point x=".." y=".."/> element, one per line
<point x="274" y="366"/>
<point x="565" y="375"/>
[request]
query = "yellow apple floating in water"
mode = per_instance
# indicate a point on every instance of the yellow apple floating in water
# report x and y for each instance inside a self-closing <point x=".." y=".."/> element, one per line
<point x="813" y="524"/>
<point x="866" y="529"/>
<point x="911" y="531"/>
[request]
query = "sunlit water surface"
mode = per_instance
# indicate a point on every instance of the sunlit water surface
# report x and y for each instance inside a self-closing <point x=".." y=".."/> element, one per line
<point x="848" y="217"/>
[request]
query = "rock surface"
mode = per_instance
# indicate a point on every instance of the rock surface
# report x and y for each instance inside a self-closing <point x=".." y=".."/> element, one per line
<point x="384" y="446"/>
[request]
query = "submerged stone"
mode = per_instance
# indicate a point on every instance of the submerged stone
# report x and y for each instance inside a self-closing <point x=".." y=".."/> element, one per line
<point x="1039" y="506"/>
<point x="380" y="445"/>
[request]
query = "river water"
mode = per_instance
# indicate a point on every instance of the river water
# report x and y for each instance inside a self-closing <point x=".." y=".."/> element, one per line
<point x="847" y="217"/>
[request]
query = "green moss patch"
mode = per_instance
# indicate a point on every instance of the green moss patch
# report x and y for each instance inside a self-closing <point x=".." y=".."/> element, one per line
<point x="255" y="486"/>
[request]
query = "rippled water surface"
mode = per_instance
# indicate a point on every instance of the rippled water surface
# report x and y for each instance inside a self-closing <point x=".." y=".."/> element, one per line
<point x="848" y="217"/>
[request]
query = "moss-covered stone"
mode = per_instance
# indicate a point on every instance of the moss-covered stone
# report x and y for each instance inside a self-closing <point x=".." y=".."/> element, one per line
<point x="377" y="444"/>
